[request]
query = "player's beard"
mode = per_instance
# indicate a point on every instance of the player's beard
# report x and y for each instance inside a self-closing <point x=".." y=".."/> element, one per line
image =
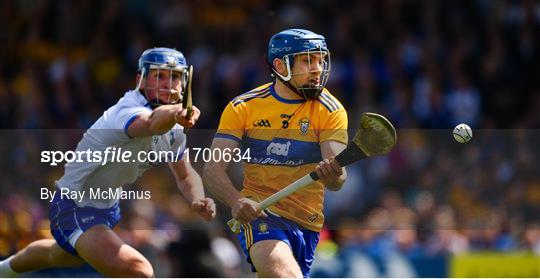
<point x="309" y="90"/>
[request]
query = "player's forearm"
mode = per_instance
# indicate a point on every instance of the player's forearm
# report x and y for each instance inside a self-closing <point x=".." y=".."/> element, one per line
<point x="162" y="118"/>
<point x="218" y="183"/>
<point x="191" y="187"/>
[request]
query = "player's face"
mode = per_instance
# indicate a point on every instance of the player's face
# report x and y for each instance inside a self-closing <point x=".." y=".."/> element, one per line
<point x="163" y="85"/>
<point x="307" y="69"/>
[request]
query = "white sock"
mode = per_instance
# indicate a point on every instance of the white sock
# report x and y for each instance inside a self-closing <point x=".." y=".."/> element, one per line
<point x="5" y="269"/>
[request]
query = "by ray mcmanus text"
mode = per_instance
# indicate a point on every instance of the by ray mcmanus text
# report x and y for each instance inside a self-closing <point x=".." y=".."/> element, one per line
<point x="95" y="194"/>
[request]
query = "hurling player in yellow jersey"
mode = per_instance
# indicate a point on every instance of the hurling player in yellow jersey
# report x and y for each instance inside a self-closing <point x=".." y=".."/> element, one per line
<point x="290" y="127"/>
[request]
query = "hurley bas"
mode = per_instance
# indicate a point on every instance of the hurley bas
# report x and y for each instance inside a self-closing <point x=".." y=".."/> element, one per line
<point x="96" y="194"/>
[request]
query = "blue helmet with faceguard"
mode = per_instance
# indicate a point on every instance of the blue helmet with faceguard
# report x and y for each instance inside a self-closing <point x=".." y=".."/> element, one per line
<point x="163" y="59"/>
<point x="289" y="43"/>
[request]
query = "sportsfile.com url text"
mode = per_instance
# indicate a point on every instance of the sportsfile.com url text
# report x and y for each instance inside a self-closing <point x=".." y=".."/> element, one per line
<point x="118" y="155"/>
<point x="109" y="155"/>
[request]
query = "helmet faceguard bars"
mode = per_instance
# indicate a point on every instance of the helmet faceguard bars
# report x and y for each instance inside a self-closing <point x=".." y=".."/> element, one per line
<point x="288" y="44"/>
<point x="314" y="87"/>
<point x="163" y="59"/>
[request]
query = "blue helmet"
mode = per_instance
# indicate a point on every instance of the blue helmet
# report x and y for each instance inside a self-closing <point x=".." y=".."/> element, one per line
<point x="288" y="43"/>
<point x="163" y="59"/>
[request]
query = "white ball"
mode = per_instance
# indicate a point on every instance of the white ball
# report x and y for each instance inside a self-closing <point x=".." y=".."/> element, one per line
<point x="462" y="133"/>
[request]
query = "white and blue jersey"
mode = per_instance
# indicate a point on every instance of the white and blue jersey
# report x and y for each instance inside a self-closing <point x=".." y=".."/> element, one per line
<point x="71" y="217"/>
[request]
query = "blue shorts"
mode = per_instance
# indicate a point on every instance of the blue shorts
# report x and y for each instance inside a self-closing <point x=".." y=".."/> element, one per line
<point x="68" y="221"/>
<point x="301" y="241"/>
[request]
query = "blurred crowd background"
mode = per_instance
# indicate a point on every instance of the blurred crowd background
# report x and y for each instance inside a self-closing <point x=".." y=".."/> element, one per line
<point x="427" y="65"/>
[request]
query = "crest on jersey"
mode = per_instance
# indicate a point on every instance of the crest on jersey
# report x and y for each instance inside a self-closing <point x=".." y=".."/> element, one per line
<point x="171" y="138"/>
<point x="263" y="227"/>
<point x="304" y="125"/>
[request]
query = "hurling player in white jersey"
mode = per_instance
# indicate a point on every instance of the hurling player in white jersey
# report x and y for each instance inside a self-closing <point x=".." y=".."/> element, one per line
<point x="150" y="117"/>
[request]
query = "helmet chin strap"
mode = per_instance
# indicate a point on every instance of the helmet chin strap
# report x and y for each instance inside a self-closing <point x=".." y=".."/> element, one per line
<point x="306" y="93"/>
<point x="153" y="104"/>
<point x="291" y="87"/>
<point x="286" y="80"/>
<point x="142" y="73"/>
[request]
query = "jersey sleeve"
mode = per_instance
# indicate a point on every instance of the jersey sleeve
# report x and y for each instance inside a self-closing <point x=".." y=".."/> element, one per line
<point x="232" y="123"/>
<point x="334" y="127"/>
<point x="122" y="115"/>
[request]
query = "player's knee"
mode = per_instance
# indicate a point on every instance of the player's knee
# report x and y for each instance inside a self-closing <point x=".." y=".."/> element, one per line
<point x="274" y="258"/>
<point x="134" y="267"/>
<point x="280" y="272"/>
<point x="279" y="268"/>
<point x="139" y="268"/>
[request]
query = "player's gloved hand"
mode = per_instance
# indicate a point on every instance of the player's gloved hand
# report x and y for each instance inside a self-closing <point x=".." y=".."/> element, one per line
<point x="205" y="207"/>
<point x="187" y="121"/>
<point x="245" y="211"/>
<point x="329" y="172"/>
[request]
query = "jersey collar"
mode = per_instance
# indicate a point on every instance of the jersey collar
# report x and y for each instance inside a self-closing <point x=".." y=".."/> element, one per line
<point x="283" y="100"/>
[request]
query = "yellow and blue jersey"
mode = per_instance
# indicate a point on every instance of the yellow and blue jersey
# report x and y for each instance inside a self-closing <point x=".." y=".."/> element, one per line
<point x="283" y="137"/>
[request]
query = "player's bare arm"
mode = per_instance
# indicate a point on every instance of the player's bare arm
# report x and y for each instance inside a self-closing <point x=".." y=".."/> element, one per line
<point x="331" y="174"/>
<point x="162" y="119"/>
<point x="219" y="184"/>
<point x="190" y="184"/>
